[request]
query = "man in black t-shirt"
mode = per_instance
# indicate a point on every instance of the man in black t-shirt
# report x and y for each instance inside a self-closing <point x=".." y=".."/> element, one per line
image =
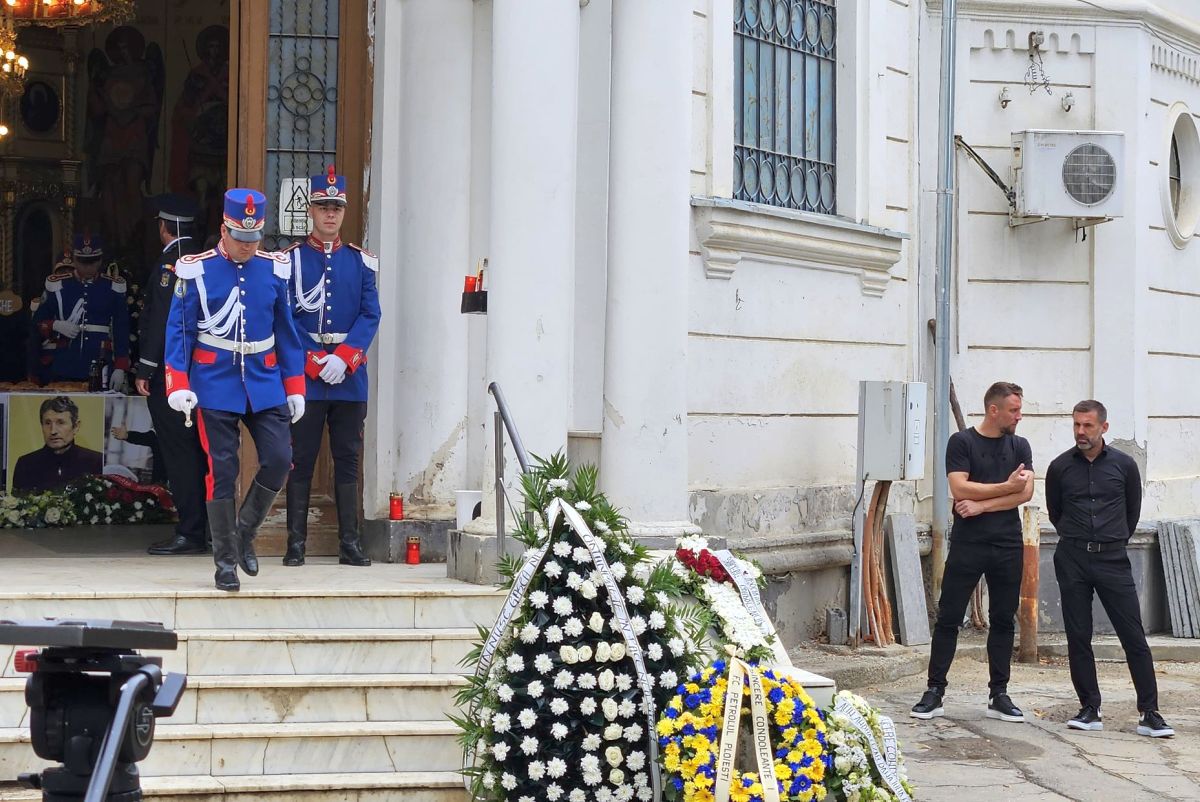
<point x="990" y="470"/>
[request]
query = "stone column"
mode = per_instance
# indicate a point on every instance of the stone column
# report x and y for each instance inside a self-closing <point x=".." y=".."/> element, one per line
<point x="535" y="75"/>
<point x="643" y="452"/>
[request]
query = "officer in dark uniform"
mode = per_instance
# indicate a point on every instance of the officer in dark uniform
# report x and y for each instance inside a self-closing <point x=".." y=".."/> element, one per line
<point x="82" y="318"/>
<point x="185" y="462"/>
<point x="337" y="313"/>
<point x="233" y="357"/>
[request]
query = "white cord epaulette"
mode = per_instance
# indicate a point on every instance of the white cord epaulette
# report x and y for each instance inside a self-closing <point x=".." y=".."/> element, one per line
<point x="369" y="259"/>
<point x="281" y="263"/>
<point x="192" y="265"/>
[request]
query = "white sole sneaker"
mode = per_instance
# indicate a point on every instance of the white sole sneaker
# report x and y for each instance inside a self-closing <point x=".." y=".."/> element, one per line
<point x="1094" y="726"/>
<point x="935" y="713"/>
<point x="1005" y="716"/>
<point x="1168" y="732"/>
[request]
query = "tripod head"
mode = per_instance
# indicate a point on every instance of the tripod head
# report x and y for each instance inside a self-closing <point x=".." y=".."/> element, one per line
<point x="93" y="703"/>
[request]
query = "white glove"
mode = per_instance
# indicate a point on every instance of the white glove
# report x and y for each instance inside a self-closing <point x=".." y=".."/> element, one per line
<point x="296" y="406"/>
<point x="182" y="401"/>
<point x="117" y="380"/>
<point x="66" y="328"/>
<point x="334" y="370"/>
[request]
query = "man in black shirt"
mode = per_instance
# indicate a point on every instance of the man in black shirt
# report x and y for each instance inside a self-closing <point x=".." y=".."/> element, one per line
<point x="1094" y="497"/>
<point x="990" y="470"/>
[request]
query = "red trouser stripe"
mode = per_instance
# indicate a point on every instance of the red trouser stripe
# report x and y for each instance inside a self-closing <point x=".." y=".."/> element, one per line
<point x="200" y="430"/>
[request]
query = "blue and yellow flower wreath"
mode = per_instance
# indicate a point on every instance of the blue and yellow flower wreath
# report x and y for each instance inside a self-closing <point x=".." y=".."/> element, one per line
<point x="689" y="735"/>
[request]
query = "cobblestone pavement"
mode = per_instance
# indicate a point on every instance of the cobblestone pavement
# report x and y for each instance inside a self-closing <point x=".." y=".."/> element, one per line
<point x="966" y="757"/>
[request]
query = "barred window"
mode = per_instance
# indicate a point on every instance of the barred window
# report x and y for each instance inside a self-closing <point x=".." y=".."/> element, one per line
<point x="784" y="103"/>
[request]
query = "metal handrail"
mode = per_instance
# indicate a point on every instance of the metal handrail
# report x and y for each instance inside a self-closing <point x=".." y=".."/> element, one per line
<point x="503" y="420"/>
<point x="513" y="435"/>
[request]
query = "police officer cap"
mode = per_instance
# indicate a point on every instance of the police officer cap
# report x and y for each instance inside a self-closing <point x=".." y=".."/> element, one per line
<point x="88" y="247"/>
<point x="175" y="208"/>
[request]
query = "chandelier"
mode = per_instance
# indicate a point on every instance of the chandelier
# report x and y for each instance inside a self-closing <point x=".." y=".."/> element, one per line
<point x="55" y="13"/>
<point x="13" y="65"/>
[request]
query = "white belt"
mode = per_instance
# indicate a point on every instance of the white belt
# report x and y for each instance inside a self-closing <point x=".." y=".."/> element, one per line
<point x="247" y="347"/>
<point x="94" y="328"/>
<point x="328" y="339"/>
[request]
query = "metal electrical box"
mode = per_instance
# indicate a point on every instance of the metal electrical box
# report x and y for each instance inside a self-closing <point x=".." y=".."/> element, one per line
<point x="891" y="430"/>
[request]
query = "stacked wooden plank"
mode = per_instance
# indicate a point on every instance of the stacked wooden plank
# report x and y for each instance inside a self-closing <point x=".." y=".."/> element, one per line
<point x="1179" y="543"/>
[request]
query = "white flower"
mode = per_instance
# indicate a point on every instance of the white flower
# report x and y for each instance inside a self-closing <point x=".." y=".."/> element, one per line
<point x="616" y="777"/>
<point x="593" y="778"/>
<point x="564" y="678"/>
<point x="610" y="708"/>
<point x="635" y="761"/>
<point x="508" y="781"/>
<point x="505" y="693"/>
<point x="624" y="682"/>
<point x="558" y="706"/>
<point x="588" y="706"/>
<point x="618" y="571"/>
<point x="667" y="679"/>
<point x="645" y="793"/>
<point x="692" y="543"/>
<point x="612" y="732"/>
<point x="627" y="708"/>
<point x="637" y="624"/>
<point x="582" y="506"/>
<point x="568" y="654"/>
<point x="527" y="718"/>
<point x="543" y="663"/>
<point x="657" y="620"/>
<point x="555" y="767"/>
<point x="581" y="555"/>
<point x="604" y="795"/>
<point x="577" y="795"/>
<point x="552" y="569"/>
<point x="617" y="651"/>
<point x="563" y="606"/>
<point x="562" y="549"/>
<point x="539" y="599"/>
<point x="662" y="598"/>
<point x="553" y="634"/>
<point x="676" y="646"/>
<point x="587" y="590"/>
<point x="654" y="652"/>
<point x="606" y="680"/>
<point x="613" y="756"/>
<point x="529" y="746"/>
<point x="585" y="653"/>
<point x="530" y="632"/>
<point x="589" y="763"/>
<point x="500" y="751"/>
<point x="603" y="652"/>
<point x="596" y="623"/>
<point x="553" y="792"/>
<point x="586" y="681"/>
<point x="633" y="733"/>
<point x="535" y="688"/>
<point x="573" y="627"/>
<point x="558" y="730"/>
<point x="501" y="723"/>
<point x="53" y="515"/>
<point x="558" y="484"/>
<point x="489" y="780"/>
<point x="574" y="580"/>
<point x="536" y="770"/>
<point x="514" y="663"/>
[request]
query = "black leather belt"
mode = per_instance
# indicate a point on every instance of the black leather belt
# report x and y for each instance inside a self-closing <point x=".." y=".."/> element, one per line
<point x="1094" y="546"/>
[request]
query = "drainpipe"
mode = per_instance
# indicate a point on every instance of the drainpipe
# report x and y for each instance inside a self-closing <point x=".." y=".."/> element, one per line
<point x="945" y="231"/>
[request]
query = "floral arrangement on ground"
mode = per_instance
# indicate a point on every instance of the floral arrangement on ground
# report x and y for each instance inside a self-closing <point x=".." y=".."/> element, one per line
<point x="90" y="500"/>
<point x="557" y="709"/>
<point x="707" y="579"/>
<point x="855" y="777"/>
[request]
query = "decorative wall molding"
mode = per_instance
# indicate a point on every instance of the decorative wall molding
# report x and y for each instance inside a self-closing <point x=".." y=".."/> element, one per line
<point x="1173" y="62"/>
<point x="729" y="231"/>
<point x="1013" y="35"/>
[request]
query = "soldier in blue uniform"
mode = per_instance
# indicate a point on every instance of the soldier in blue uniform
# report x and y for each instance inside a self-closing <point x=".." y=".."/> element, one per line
<point x="82" y="318"/>
<point x="337" y="314"/>
<point x="184" y="460"/>
<point x="233" y="356"/>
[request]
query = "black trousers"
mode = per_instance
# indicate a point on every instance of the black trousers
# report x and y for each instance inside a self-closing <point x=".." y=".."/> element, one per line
<point x="184" y="460"/>
<point x="221" y="438"/>
<point x="1108" y="574"/>
<point x="345" y="420"/>
<point x="966" y="563"/>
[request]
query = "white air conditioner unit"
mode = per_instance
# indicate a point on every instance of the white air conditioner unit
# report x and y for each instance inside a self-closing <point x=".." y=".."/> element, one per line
<point x="1075" y="174"/>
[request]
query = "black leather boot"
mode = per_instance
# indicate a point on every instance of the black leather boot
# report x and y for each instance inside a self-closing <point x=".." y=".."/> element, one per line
<point x="297" y="522"/>
<point x="222" y="522"/>
<point x="349" y="545"/>
<point x="254" y="511"/>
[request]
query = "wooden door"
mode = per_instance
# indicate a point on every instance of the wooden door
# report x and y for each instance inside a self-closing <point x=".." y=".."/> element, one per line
<point x="300" y="99"/>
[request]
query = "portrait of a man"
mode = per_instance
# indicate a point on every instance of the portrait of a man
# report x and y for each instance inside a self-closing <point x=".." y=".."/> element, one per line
<point x="60" y="459"/>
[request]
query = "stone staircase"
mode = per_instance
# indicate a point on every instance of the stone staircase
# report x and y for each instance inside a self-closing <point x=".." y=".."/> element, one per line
<point x="293" y="693"/>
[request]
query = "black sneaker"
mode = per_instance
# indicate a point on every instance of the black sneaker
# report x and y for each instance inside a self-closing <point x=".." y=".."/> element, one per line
<point x="1002" y="707"/>
<point x="1088" y="718"/>
<point x="930" y="705"/>
<point x="1152" y="724"/>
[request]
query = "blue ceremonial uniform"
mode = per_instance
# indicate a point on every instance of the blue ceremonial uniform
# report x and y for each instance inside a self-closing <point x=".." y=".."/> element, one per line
<point x="336" y="310"/>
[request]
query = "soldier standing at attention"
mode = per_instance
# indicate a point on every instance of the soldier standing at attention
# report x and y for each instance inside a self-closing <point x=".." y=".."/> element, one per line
<point x="83" y="318"/>
<point x="233" y="356"/>
<point x="337" y="310"/>
<point x="185" y="461"/>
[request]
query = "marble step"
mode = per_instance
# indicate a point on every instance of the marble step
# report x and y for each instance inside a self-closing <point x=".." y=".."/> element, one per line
<point x="430" y="605"/>
<point x="274" y="749"/>
<point x="310" y="651"/>
<point x="282" y="699"/>
<point x="417" y="786"/>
